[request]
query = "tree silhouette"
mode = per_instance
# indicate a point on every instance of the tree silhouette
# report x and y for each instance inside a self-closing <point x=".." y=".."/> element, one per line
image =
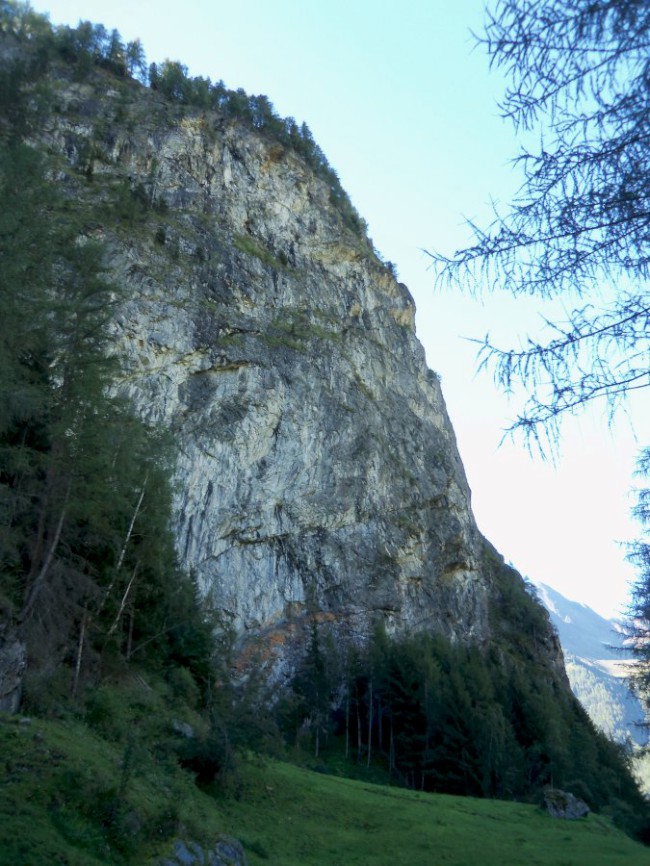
<point x="580" y="223"/>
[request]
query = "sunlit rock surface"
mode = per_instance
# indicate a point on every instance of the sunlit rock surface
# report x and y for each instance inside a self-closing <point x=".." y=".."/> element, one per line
<point x="318" y="473"/>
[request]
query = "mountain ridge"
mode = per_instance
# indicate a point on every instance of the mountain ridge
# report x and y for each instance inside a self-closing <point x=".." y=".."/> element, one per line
<point x="595" y="659"/>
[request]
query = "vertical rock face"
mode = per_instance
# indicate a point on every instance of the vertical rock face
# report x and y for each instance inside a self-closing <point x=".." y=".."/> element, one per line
<point x="318" y="469"/>
<point x="318" y="464"/>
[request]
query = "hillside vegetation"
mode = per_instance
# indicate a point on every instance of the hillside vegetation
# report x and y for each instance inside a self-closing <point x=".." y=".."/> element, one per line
<point x="100" y="801"/>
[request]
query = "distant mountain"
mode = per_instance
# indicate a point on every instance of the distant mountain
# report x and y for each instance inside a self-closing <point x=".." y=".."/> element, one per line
<point x="582" y="631"/>
<point x="596" y="665"/>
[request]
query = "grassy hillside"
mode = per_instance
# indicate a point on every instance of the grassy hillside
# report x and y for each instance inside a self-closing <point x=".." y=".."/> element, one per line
<point x="85" y="796"/>
<point x="302" y="818"/>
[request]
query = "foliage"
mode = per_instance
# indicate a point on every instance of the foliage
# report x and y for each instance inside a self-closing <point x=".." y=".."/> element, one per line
<point x="639" y="555"/>
<point x="579" y="72"/>
<point x="313" y="687"/>
<point x="247" y="244"/>
<point x="237" y="719"/>
<point x="85" y="45"/>
<point x="450" y="718"/>
<point x="99" y="788"/>
<point x="519" y="624"/>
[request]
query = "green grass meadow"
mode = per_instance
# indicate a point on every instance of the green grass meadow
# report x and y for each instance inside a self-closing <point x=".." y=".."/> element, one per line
<point x="295" y="817"/>
<point x="72" y="797"/>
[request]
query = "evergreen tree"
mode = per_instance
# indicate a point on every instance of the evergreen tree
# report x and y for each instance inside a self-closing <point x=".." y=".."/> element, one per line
<point x="87" y="562"/>
<point x="313" y="684"/>
<point x="639" y="555"/>
<point x="136" y="62"/>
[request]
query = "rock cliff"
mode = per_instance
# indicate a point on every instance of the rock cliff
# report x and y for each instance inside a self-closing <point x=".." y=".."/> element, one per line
<point x="318" y="470"/>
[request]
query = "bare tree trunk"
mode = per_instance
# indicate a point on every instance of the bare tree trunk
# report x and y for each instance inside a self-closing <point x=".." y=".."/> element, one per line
<point x="39" y="580"/>
<point x="39" y="544"/>
<point x="132" y="524"/>
<point x="129" y="640"/>
<point x="359" y="742"/>
<point x="380" y="738"/>
<point x="347" y="723"/>
<point x="370" y="726"/>
<point x="118" y="616"/>
<point x="80" y="649"/>
<point x="120" y="559"/>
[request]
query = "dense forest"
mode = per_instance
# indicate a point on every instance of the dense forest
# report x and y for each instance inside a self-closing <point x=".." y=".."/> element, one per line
<point x="89" y="578"/>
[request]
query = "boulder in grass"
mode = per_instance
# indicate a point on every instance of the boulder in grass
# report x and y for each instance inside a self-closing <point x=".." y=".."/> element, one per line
<point x="562" y="804"/>
<point x="227" y="852"/>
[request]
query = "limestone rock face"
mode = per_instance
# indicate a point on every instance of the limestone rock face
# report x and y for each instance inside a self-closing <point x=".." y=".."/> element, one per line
<point x="318" y="470"/>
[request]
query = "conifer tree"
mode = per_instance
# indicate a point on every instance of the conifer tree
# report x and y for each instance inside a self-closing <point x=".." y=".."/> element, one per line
<point x="87" y="562"/>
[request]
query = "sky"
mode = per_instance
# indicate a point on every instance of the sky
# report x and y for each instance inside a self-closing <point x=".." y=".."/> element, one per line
<point x="403" y="104"/>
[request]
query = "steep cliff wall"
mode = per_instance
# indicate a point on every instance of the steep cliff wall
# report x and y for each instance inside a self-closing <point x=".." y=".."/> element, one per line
<point x="318" y="470"/>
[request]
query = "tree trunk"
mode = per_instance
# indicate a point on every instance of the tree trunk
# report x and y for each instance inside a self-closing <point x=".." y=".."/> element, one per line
<point x="129" y="640"/>
<point x="380" y="738"/>
<point x="369" y="726"/>
<point x="347" y="724"/>
<point x="80" y="649"/>
<point x="116" y="621"/>
<point x="359" y="742"/>
<point x="132" y="524"/>
<point x="39" y="581"/>
<point x="120" y="559"/>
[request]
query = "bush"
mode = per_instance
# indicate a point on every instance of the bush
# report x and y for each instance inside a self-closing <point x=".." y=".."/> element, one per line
<point x="184" y="686"/>
<point x="47" y="693"/>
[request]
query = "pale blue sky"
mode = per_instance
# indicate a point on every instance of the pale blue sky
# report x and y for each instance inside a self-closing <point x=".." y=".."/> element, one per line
<point x="405" y="110"/>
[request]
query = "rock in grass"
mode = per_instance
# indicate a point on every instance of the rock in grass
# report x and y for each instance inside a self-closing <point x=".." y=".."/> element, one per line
<point x="562" y="804"/>
<point x="226" y="852"/>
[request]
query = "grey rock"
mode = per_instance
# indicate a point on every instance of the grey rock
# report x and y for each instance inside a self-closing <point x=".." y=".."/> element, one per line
<point x="318" y="464"/>
<point x="227" y="851"/>
<point x="183" y="729"/>
<point x="318" y="472"/>
<point x="13" y="665"/>
<point x="563" y="804"/>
